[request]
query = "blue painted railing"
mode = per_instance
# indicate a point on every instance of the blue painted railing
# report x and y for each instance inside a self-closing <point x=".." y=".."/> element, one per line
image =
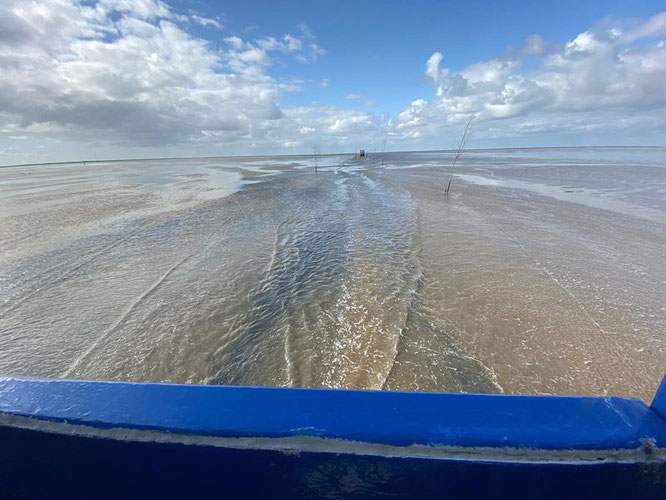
<point x="110" y="439"/>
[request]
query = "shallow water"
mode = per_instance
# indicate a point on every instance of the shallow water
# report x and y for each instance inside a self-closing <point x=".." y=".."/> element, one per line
<point x="542" y="272"/>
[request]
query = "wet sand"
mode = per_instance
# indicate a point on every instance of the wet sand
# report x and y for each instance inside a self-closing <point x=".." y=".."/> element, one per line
<point x="542" y="273"/>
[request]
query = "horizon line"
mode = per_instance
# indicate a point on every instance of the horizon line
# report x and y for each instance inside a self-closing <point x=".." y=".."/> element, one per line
<point x="307" y="155"/>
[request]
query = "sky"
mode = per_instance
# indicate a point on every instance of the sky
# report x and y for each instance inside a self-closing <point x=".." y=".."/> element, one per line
<point x="113" y="79"/>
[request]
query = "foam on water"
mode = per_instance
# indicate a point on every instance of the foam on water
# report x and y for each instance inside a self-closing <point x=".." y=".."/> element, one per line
<point x="591" y="197"/>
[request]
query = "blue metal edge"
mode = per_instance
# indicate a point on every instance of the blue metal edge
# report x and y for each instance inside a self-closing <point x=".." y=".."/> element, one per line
<point x="394" y="418"/>
<point x="659" y="402"/>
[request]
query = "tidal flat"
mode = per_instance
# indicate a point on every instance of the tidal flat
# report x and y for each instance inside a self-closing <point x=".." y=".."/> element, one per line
<point x="542" y="272"/>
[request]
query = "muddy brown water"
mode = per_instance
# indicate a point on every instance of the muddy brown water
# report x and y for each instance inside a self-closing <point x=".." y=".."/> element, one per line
<point x="543" y="272"/>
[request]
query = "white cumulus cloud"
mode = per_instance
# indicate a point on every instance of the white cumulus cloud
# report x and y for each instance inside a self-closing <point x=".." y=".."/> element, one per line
<point x="130" y="71"/>
<point x="615" y="71"/>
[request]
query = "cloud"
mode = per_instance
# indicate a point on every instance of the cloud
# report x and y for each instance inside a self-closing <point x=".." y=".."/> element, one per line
<point x="206" y="22"/>
<point x="334" y="127"/>
<point x="432" y="67"/>
<point x="537" y="46"/>
<point x="131" y="71"/>
<point x="315" y="51"/>
<point x="358" y="97"/>
<point x="615" y="69"/>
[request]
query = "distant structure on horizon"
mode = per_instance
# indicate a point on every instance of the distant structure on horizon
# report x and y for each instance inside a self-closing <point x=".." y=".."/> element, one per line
<point x="361" y="154"/>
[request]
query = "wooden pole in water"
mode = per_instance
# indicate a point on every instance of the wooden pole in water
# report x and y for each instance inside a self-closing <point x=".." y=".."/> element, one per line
<point x="459" y="152"/>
